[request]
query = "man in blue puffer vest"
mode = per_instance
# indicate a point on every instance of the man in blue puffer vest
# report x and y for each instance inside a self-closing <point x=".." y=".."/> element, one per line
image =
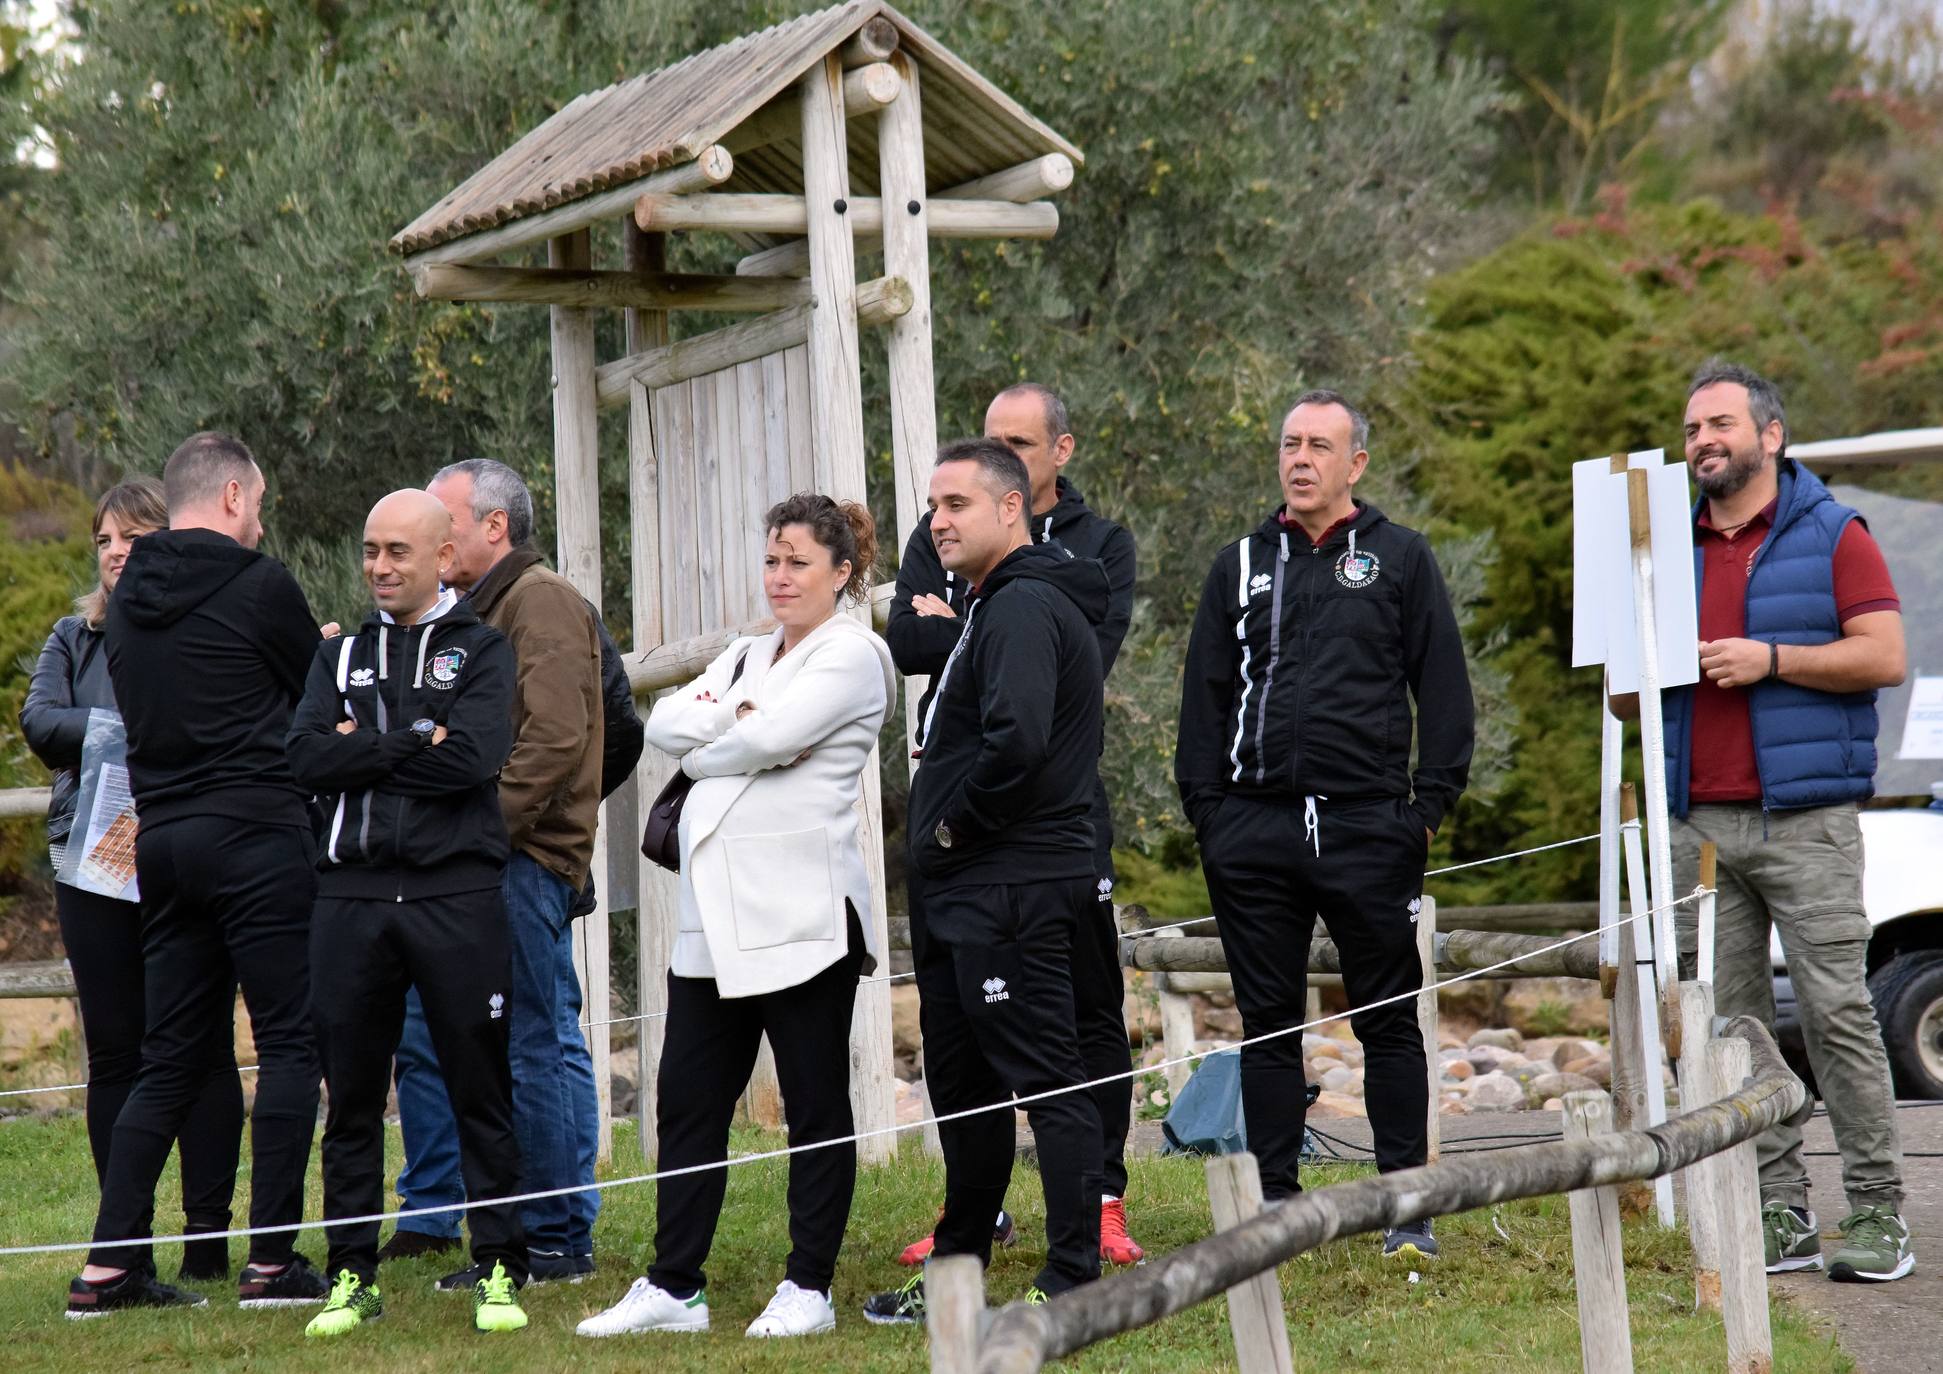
<point x="1769" y="756"/>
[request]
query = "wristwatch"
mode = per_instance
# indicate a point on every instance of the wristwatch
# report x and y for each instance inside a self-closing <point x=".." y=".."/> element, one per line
<point x="942" y="835"/>
<point x="423" y="729"/>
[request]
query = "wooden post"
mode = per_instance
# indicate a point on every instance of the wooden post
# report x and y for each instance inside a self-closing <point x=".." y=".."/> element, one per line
<point x="1427" y="1021"/>
<point x="1653" y="1075"/>
<point x="576" y="476"/>
<point x="907" y="254"/>
<point x="954" y="1310"/>
<point x="1628" y="1052"/>
<point x="654" y="915"/>
<point x="1698" y="1087"/>
<point x="1254" y="1305"/>
<point x="1743" y="1261"/>
<point x="1176" y="1027"/>
<point x="1598" y="1260"/>
<point x="1703" y="967"/>
<point x="837" y="455"/>
<point x="1652" y="734"/>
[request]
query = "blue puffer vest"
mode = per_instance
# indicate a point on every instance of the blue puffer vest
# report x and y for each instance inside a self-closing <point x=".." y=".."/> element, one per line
<point x="1811" y="748"/>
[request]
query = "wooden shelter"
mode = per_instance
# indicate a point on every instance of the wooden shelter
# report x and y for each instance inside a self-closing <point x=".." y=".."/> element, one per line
<point x="809" y="144"/>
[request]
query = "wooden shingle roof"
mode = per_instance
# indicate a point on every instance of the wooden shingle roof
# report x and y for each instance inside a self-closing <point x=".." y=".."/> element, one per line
<point x="609" y="137"/>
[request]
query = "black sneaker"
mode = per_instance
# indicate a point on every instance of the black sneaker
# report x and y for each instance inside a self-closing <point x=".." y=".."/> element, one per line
<point x="295" y="1285"/>
<point x="902" y="1304"/>
<point x="136" y="1288"/>
<point x="1411" y="1241"/>
<point x="551" y="1266"/>
<point x="405" y="1245"/>
<point x="463" y="1280"/>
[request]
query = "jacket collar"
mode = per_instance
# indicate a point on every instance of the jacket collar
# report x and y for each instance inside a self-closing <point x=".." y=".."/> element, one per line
<point x="487" y="592"/>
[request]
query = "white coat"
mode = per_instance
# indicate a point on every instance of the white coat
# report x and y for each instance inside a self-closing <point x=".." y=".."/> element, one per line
<point x="769" y="846"/>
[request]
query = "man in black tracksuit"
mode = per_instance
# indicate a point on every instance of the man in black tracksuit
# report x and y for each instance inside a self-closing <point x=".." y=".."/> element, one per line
<point x="1313" y="634"/>
<point x="207" y="641"/>
<point x="923" y="628"/>
<point x="401" y="733"/>
<point x="1002" y="850"/>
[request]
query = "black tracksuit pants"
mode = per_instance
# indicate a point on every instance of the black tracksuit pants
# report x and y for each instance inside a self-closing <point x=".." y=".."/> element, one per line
<point x="103" y="938"/>
<point x="1359" y="867"/>
<point x="1099" y="1006"/>
<point x="995" y="1005"/>
<point x="224" y="902"/>
<point x="706" y="1059"/>
<point x="365" y="954"/>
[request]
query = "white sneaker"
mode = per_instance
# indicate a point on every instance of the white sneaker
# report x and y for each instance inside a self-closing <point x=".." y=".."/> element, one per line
<point x="795" y="1312"/>
<point x="647" y="1308"/>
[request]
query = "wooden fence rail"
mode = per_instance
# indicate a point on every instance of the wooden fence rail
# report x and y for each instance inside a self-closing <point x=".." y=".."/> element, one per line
<point x="1019" y="1339"/>
<point x="1459" y="951"/>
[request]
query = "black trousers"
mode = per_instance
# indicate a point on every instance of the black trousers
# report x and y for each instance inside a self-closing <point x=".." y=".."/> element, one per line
<point x="1360" y="868"/>
<point x="364" y="955"/>
<point x="103" y="938"/>
<point x="223" y="902"/>
<point x="706" y="1060"/>
<point x="1099" y="1005"/>
<point x="995" y="1005"/>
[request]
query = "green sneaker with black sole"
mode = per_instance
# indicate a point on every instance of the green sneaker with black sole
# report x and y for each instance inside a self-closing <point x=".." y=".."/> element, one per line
<point x="352" y="1303"/>
<point x="495" y="1303"/>
<point x="1791" y="1238"/>
<point x="1875" y="1248"/>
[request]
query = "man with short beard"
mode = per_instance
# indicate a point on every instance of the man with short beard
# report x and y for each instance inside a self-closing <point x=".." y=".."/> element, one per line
<point x="1769" y="756"/>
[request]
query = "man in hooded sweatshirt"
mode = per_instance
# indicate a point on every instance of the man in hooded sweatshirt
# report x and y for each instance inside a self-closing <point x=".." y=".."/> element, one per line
<point x="1031" y="420"/>
<point x="1002" y="848"/>
<point x="401" y="733"/>
<point x="1313" y="635"/>
<point x="208" y="641"/>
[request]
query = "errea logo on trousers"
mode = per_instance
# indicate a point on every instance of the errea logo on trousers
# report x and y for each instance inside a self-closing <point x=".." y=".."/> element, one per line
<point x="497" y="1005"/>
<point x="995" y="990"/>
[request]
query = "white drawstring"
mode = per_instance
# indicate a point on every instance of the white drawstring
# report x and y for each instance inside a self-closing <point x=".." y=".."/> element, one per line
<point x="424" y="642"/>
<point x="1312" y="823"/>
<point x="384" y="635"/>
<point x="1352" y="559"/>
<point x="1285" y="546"/>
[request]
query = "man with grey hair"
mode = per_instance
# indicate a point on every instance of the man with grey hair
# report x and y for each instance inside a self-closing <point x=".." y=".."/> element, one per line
<point x="1314" y="634"/>
<point x="1768" y="756"/>
<point x="549" y="796"/>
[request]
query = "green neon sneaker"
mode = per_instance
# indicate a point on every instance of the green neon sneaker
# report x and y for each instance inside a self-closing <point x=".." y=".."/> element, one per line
<point x="495" y="1302"/>
<point x="352" y="1303"/>
<point x="1875" y="1248"/>
<point x="1036" y="1296"/>
<point x="905" y="1303"/>
<point x="1792" y="1238"/>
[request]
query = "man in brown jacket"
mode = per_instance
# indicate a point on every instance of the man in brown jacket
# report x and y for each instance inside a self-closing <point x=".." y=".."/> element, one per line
<point x="549" y="795"/>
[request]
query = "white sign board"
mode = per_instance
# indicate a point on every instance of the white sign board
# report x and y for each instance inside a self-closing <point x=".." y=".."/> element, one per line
<point x="1923" y="727"/>
<point x="1602" y="571"/>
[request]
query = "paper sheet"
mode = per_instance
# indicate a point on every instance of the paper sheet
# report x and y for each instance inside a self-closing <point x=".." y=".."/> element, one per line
<point x="100" y="854"/>
<point x="1602" y="571"/>
<point x="1923" y="726"/>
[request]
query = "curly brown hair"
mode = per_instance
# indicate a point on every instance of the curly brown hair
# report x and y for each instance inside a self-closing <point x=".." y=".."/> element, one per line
<point x="845" y="528"/>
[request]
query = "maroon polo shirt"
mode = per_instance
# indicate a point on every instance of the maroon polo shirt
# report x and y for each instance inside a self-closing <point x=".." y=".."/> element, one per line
<point x="1723" y="768"/>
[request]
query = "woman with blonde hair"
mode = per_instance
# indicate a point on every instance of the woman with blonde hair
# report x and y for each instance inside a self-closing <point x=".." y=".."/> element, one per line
<point x="103" y="934"/>
<point x="775" y="898"/>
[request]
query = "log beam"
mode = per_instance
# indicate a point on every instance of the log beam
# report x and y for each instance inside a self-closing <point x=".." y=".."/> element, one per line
<point x="874" y="42"/>
<point x="615" y="290"/>
<point x="1460" y="951"/>
<point x="713" y="166"/>
<point x="1034" y="180"/>
<point x="737" y="213"/>
<point x="878" y="302"/>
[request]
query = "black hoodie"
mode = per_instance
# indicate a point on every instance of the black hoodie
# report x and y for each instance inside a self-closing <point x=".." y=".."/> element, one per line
<point x="1013" y="732"/>
<point x="207" y="645"/>
<point x="402" y="819"/>
<point x="1301" y="667"/>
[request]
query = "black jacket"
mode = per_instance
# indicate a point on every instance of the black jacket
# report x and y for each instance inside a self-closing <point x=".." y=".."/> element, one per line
<point x="1010" y="745"/>
<point x="624" y="737"/>
<point x="207" y="645"/>
<point x="920" y="644"/>
<point x="403" y="820"/>
<point x="1301" y="668"/>
<point x="70" y="679"/>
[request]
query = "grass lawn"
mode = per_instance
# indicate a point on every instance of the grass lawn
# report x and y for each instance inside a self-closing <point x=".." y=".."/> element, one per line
<point x="1492" y="1304"/>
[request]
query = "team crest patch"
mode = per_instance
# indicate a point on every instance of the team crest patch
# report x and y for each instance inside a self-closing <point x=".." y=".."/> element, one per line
<point x="362" y="677"/>
<point x="1358" y="569"/>
<point x="443" y="669"/>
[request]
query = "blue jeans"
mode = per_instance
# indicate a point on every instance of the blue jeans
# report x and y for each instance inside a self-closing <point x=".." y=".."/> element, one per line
<point x="555" y="1113"/>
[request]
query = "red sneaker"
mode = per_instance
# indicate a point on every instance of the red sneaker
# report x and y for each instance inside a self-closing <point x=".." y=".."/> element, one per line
<point x="1004" y="1233"/>
<point x="1116" y="1246"/>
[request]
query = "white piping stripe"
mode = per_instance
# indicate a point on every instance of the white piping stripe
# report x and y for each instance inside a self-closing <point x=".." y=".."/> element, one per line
<point x="1247" y="683"/>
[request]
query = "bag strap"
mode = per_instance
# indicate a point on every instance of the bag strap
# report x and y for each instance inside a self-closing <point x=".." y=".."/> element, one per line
<point x="741" y="661"/>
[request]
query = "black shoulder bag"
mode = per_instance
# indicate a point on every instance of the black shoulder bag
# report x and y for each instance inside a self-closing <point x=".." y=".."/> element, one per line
<point x="661" y="837"/>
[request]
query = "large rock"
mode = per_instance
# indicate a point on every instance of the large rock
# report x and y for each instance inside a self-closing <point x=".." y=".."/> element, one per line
<point x="1322" y="1048"/>
<point x="1598" y="1069"/>
<point x="1459" y="1069"/>
<point x="1495" y="1092"/>
<point x="1337" y="1105"/>
<point x="1566" y="1051"/>
<point x="1568" y="1006"/>
<point x="1491" y="1058"/>
<point x="1502" y="1038"/>
<point x="1550" y="1085"/>
<point x="1343" y="1080"/>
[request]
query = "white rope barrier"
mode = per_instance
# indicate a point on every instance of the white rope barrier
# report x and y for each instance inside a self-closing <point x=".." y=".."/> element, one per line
<point x="1009" y="1104"/>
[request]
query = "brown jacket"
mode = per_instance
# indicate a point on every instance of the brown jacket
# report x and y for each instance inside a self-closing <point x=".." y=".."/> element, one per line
<point x="549" y="790"/>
